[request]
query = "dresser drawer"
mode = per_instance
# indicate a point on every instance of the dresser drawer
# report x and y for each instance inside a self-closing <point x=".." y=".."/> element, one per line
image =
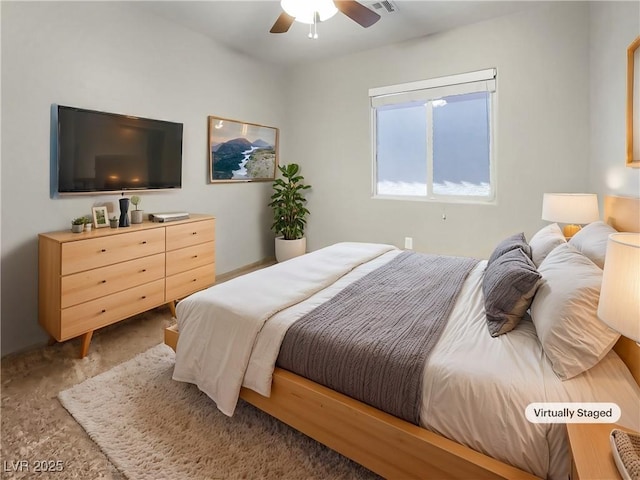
<point x="99" y="252"/>
<point x="185" y="235"/>
<point x="84" y="286"/>
<point x="191" y="257"/>
<point x="186" y="283"/>
<point x="90" y="280"/>
<point x="104" y="311"/>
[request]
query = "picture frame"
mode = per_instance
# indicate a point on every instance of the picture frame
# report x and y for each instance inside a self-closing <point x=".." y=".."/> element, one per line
<point x="241" y="151"/>
<point x="100" y="217"/>
<point x="633" y="104"/>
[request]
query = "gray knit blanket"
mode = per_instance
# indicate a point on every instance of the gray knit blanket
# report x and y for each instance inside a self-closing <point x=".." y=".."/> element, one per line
<point x="371" y="341"/>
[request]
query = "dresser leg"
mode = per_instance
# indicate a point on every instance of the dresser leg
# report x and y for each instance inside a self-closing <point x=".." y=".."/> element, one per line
<point x="52" y="341"/>
<point x="86" y="340"/>
<point x="172" y="307"/>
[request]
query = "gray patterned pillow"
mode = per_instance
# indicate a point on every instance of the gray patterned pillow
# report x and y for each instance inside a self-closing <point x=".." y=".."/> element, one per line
<point x="515" y="241"/>
<point x="509" y="284"/>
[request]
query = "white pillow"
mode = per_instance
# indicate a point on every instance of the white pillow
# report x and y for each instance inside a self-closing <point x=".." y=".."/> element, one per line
<point x="545" y="240"/>
<point x="592" y="241"/>
<point x="564" y="312"/>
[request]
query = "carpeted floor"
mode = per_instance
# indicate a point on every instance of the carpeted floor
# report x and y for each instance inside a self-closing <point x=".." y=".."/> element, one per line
<point x="152" y="427"/>
<point x="36" y="428"/>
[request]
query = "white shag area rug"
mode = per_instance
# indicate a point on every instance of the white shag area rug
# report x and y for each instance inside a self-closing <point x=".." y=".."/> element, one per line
<point x="152" y="427"/>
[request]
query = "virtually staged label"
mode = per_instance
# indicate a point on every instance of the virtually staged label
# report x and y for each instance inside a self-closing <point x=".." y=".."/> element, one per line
<point x="570" y="412"/>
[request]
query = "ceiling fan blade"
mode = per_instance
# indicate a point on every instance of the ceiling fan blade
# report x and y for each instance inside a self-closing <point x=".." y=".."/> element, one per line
<point x="283" y="23"/>
<point x="357" y="12"/>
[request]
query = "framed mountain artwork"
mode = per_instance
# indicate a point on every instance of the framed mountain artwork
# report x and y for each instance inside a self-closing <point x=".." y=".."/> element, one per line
<point x="241" y="151"/>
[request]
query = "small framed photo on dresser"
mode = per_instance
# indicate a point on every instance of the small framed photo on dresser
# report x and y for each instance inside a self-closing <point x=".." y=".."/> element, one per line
<point x="100" y="217"/>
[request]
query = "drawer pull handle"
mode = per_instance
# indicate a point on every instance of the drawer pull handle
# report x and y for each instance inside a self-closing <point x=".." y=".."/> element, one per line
<point x="104" y="311"/>
<point x="144" y="242"/>
<point x="143" y="270"/>
<point x="103" y="281"/>
<point x="195" y="279"/>
<point x="194" y="233"/>
<point x="195" y="256"/>
<point x="143" y="297"/>
<point x="103" y="250"/>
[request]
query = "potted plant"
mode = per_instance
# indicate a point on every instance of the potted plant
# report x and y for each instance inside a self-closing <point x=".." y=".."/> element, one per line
<point x="136" y="215"/>
<point x="88" y="224"/>
<point x="77" y="225"/>
<point x="113" y="222"/>
<point x="289" y="212"/>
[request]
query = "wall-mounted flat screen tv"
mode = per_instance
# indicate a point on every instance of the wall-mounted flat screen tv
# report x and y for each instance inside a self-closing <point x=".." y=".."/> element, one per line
<point x="107" y="152"/>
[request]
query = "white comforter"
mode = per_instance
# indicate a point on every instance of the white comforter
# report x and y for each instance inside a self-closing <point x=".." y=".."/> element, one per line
<point x="218" y="326"/>
<point x="476" y="387"/>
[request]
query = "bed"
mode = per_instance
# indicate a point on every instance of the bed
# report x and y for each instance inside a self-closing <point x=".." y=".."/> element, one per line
<point x="384" y="443"/>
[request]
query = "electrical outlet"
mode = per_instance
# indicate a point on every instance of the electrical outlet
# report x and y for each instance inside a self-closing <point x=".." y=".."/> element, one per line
<point x="408" y="243"/>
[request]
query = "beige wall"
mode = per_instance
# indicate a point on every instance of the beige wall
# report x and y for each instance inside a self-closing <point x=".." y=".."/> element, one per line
<point x="614" y="25"/>
<point x="111" y="56"/>
<point x="560" y="126"/>
<point x="542" y="130"/>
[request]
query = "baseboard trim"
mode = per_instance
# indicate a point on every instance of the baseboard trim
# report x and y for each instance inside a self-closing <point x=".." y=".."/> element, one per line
<point x="265" y="262"/>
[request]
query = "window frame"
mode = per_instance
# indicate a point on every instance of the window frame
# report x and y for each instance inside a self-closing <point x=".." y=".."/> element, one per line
<point x="430" y="90"/>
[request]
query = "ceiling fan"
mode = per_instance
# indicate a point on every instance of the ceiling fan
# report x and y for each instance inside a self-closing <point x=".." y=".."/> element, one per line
<point x="314" y="11"/>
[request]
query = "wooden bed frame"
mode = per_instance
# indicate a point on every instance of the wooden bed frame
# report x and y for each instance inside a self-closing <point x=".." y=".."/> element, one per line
<point x="389" y="446"/>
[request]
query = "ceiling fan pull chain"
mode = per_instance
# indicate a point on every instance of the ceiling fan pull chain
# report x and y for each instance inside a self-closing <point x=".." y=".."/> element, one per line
<point x="314" y="26"/>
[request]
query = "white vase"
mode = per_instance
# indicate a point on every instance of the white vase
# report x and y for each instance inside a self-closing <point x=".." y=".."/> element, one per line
<point x="136" y="216"/>
<point x="287" y="249"/>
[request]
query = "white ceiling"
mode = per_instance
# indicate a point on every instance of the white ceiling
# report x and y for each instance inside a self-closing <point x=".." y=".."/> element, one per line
<point x="244" y="25"/>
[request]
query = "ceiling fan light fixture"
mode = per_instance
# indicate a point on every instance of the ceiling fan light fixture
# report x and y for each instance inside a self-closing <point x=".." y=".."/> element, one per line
<point x="304" y="11"/>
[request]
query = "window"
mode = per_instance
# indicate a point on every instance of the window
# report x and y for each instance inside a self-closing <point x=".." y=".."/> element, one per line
<point x="432" y="139"/>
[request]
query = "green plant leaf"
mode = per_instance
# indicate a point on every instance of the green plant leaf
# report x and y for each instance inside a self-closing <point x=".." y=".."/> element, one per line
<point x="287" y="203"/>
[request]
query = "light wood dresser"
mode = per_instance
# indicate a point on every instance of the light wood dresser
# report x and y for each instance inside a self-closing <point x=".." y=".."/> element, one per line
<point x="93" y="279"/>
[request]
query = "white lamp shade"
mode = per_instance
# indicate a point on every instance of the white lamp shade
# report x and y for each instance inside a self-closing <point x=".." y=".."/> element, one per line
<point x="619" y="305"/>
<point x="575" y="208"/>
<point x="304" y="10"/>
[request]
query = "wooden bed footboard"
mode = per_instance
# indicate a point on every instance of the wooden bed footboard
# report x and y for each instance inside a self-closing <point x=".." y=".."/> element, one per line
<point x="384" y="444"/>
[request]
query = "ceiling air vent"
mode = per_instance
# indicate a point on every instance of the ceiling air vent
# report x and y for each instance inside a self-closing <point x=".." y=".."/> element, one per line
<point x="384" y="7"/>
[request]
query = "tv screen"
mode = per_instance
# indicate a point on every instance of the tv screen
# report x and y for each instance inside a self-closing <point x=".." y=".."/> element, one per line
<point x="105" y="152"/>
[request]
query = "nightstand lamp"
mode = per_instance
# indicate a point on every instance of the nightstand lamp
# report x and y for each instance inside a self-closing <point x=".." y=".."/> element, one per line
<point x="619" y="305"/>
<point x="572" y="209"/>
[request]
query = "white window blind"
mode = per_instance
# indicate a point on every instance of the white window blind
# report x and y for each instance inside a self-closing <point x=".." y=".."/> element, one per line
<point x="480" y="81"/>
